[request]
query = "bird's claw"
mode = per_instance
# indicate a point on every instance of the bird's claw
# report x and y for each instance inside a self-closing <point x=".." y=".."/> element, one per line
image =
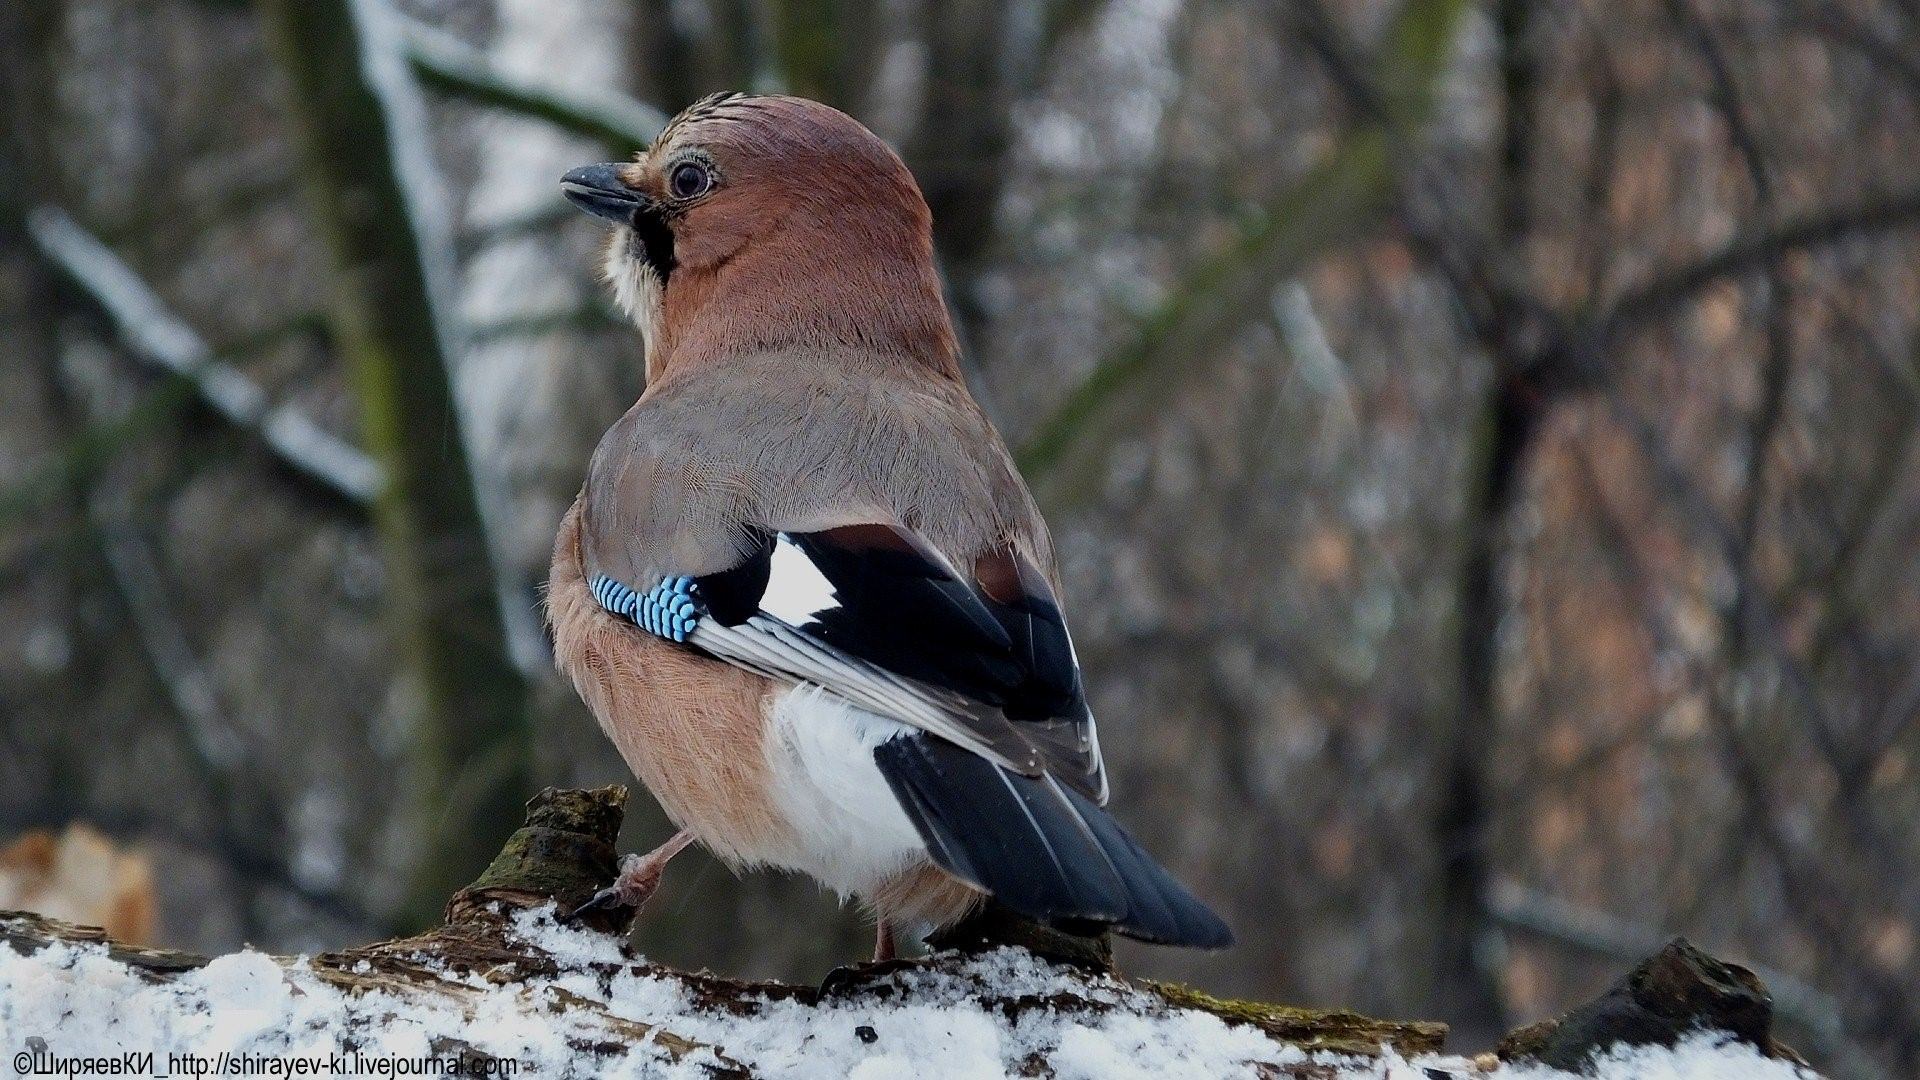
<point x="605" y="900"/>
<point x="849" y="979"/>
<point x="639" y="876"/>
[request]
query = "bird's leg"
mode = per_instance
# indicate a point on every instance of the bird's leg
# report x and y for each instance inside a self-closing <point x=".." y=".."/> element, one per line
<point x="639" y="876"/>
<point x="886" y="960"/>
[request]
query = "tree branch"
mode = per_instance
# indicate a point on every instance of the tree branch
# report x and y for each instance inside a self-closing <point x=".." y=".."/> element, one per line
<point x="486" y="951"/>
<point x="465" y="639"/>
<point x="158" y="337"/>
<point x="1327" y="206"/>
<point x="1346" y="194"/>
<point x="495" y="954"/>
<point x="451" y="66"/>
<point x="1673" y="289"/>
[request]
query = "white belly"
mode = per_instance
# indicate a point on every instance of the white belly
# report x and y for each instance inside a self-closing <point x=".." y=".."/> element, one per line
<point x="849" y="831"/>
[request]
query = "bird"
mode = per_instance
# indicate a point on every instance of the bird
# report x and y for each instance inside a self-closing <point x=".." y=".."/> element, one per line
<point x="804" y="589"/>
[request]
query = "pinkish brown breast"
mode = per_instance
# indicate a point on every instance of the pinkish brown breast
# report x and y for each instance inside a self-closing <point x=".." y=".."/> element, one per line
<point x="691" y="728"/>
<point x="695" y="731"/>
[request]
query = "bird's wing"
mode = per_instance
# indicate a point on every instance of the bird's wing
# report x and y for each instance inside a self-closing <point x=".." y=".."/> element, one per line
<point x="763" y="561"/>
<point x="1003" y="778"/>
<point x="876" y="615"/>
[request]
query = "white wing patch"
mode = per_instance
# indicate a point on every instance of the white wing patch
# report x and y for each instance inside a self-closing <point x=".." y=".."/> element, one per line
<point x="796" y="589"/>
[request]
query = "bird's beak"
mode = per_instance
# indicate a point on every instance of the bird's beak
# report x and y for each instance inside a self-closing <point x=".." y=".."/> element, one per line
<point x="599" y="191"/>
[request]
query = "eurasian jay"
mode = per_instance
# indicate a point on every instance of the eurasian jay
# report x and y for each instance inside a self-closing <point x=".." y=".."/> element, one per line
<point x="804" y="590"/>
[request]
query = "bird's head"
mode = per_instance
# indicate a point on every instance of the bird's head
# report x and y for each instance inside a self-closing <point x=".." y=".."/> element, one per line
<point x="756" y="223"/>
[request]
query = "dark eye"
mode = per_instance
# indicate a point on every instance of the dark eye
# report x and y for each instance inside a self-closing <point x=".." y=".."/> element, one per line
<point x="689" y="179"/>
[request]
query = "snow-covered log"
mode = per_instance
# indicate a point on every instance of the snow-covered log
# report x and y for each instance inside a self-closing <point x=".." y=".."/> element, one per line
<point x="500" y="981"/>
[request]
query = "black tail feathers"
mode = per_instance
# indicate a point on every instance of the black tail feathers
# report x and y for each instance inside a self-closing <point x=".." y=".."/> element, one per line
<point x="1038" y="847"/>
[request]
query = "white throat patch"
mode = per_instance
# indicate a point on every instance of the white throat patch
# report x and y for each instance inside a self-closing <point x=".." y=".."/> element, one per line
<point x="636" y="288"/>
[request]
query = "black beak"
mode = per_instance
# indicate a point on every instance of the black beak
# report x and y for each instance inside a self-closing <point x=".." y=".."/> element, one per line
<point x="598" y="190"/>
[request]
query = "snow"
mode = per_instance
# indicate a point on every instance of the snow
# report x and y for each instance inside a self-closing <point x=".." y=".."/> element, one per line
<point x="949" y="1023"/>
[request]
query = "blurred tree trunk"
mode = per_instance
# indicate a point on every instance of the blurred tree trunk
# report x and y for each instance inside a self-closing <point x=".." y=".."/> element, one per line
<point x="28" y="34"/>
<point x="39" y="422"/>
<point x="1469" y="982"/>
<point x="960" y="143"/>
<point x="470" y="737"/>
<point x="669" y="57"/>
<point x="827" y="49"/>
<point x="1466" y="978"/>
<point x="682" y="59"/>
<point x="28" y="37"/>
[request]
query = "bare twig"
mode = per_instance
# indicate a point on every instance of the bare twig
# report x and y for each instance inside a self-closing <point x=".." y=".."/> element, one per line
<point x="1725" y="97"/>
<point x="209" y="735"/>
<point x="1670" y="291"/>
<point x="1832" y="22"/>
<point x="1603" y="159"/>
<point x="1347" y="193"/>
<point x="1809" y="896"/>
<point x="212" y="746"/>
<point x="1752" y="607"/>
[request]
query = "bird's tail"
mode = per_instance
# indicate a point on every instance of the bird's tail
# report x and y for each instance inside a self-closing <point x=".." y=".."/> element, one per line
<point x="1038" y="847"/>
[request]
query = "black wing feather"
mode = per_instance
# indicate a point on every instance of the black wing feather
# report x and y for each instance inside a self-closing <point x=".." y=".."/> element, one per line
<point x="1012" y="806"/>
<point x="732" y="596"/>
<point x="1053" y="670"/>
<point x="904" y="610"/>
<point x="1041" y="849"/>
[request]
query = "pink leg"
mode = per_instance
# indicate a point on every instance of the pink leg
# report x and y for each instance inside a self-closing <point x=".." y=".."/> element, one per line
<point x="639" y="876"/>
<point x="885" y="958"/>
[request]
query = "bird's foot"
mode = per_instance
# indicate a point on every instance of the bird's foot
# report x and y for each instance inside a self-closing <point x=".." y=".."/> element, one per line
<point x="886" y="960"/>
<point x="639" y="876"/>
<point x="850" y="979"/>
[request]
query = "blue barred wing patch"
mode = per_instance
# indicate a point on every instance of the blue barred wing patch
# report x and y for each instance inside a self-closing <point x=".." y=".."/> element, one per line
<point x="670" y="609"/>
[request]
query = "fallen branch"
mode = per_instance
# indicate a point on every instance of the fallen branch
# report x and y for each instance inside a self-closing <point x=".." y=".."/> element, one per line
<point x="1601" y="934"/>
<point x="498" y="980"/>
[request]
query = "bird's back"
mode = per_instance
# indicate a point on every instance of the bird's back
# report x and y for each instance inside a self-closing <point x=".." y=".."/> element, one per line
<point x="790" y="442"/>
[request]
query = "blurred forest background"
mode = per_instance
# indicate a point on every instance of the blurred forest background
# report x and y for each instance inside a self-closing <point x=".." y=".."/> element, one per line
<point x="1480" y="437"/>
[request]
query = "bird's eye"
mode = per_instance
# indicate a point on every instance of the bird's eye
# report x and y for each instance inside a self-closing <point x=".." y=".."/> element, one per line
<point x="689" y="179"/>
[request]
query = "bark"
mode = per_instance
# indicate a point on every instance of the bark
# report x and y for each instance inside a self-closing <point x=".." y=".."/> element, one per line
<point x="1670" y="995"/>
<point x="565" y="852"/>
<point x="470" y="745"/>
